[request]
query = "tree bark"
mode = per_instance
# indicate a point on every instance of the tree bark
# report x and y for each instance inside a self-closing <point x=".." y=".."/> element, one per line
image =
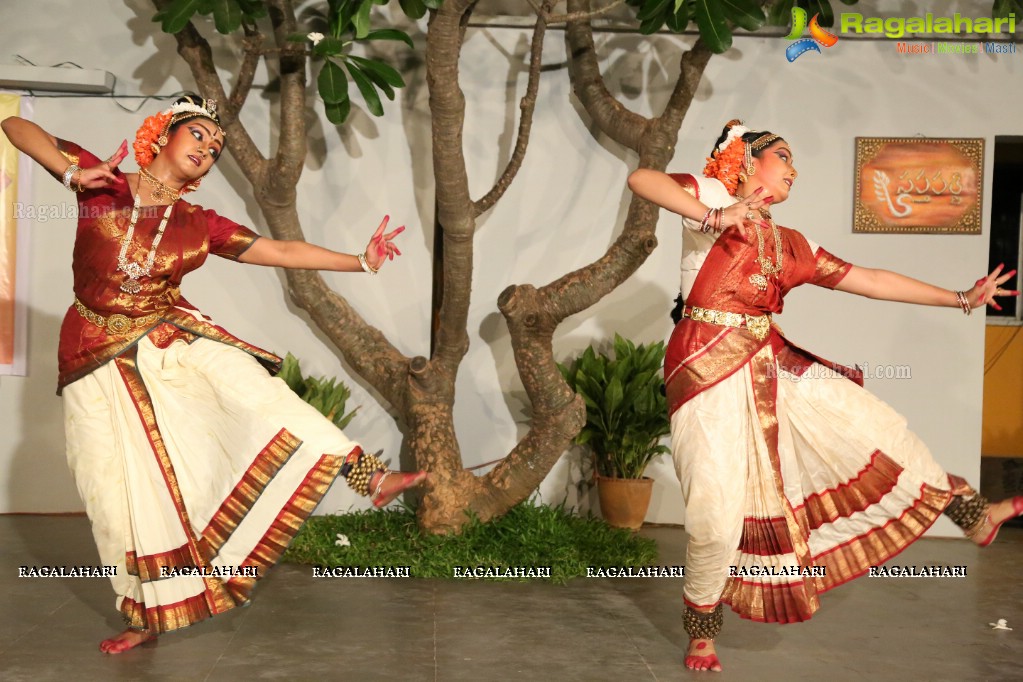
<point x="422" y="390"/>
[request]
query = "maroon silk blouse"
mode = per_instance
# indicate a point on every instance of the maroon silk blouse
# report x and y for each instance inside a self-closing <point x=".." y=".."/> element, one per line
<point x="192" y="233"/>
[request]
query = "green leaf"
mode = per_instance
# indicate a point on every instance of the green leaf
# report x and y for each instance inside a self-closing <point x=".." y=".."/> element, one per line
<point x="291" y="373"/>
<point x="390" y="34"/>
<point x="177" y="15"/>
<point x="614" y="395"/>
<point x="385" y="72"/>
<point x="227" y="16"/>
<point x="361" y="19"/>
<point x="823" y="8"/>
<point x="652" y="8"/>
<point x="678" y="21"/>
<point x="332" y="83"/>
<point x="652" y="25"/>
<point x="710" y="17"/>
<point x="253" y="9"/>
<point x="369" y="93"/>
<point x="338" y="113"/>
<point x="413" y="9"/>
<point x="780" y="13"/>
<point x="745" y="14"/>
<point x="329" y="47"/>
<point x="344" y="421"/>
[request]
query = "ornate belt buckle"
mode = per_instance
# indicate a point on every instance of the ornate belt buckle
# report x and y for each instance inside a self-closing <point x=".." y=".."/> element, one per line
<point x="759" y="326"/>
<point x="117" y="324"/>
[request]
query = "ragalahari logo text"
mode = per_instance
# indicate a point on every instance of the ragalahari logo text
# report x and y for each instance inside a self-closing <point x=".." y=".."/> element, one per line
<point x="818" y="36"/>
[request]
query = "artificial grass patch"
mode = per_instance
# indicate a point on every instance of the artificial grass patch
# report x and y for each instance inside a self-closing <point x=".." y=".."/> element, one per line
<point x="527" y="536"/>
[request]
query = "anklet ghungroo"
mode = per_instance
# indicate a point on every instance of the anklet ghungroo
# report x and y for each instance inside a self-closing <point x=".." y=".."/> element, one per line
<point x="968" y="512"/>
<point x="359" y="468"/>
<point x="703" y="625"/>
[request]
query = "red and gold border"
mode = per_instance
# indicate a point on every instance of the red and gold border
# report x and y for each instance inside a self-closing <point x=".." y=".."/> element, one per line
<point x="251" y="485"/>
<point x="290" y="519"/>
<point x="867" y="488"/>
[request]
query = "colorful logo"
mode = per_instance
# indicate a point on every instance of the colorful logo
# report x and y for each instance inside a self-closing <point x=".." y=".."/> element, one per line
<point x="818" y="36"/>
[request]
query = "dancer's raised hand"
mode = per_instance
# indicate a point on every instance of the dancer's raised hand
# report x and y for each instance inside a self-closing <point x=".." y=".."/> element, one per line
<point x="988" y="288"/>
<point x="381" y="247"/>
<point x="102" y="175"/>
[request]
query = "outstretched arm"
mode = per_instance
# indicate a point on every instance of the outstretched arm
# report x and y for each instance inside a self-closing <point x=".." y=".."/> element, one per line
<point x="42" y="147"/>
<point x="885" y="285"/>
<point x="305" y="256"/>
<point x="659" y="188"/>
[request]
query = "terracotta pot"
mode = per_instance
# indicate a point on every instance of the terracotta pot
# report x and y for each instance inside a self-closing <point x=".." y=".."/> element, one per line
<point x="624" y="501"/>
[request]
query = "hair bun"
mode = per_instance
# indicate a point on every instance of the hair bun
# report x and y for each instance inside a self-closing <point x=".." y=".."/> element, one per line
<point x="734" y="122"/>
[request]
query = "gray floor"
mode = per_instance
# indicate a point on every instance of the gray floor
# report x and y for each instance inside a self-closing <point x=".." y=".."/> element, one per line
<point x="301" y="628"/>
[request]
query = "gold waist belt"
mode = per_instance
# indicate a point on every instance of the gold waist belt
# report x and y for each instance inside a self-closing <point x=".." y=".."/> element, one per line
<point x="116" y="323"/>
<point x="759" y="325"/>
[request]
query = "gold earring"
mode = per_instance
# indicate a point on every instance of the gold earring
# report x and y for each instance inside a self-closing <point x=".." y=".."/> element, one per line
<point x="742" y="177"/>
<point x="155" y="148"/>
<point x="162" y="140"/>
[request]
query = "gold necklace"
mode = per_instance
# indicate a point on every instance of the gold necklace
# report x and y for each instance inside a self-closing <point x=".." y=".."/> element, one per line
<point x="768" y="268"/>
<point x="160" y="191"/>
<point x="135" y="271"/>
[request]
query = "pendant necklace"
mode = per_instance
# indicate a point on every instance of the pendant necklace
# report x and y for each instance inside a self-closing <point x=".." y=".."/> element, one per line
<point x="135" y="271"/>
<point x="768" y="267"/>
<point x="160" y="191"/>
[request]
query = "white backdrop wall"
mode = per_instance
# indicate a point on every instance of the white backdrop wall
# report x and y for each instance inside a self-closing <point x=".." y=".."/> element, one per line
<point x="565" y="207"/>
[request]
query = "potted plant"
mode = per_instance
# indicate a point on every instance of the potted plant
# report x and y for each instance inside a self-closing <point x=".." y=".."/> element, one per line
<point x="626" y="417"/>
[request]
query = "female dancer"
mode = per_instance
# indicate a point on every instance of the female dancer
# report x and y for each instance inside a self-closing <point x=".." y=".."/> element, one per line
<point x="196" y="467"/>
<point x="796" y="479"/>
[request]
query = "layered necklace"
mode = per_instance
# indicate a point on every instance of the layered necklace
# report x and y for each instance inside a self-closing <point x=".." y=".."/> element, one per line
<point x="768" y="267"/>
<point x="135" y="271"/>
<point x="160" y="191"/>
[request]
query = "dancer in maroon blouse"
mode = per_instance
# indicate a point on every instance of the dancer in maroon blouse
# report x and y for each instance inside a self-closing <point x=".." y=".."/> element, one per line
<point x="195" y="465"/>
<point x="796" y="479"/>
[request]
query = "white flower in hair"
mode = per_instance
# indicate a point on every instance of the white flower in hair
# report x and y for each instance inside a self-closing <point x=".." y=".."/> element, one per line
<point x="182" y="107"/>
<point x="735" y="131"/>
<point x="315" y="37"/>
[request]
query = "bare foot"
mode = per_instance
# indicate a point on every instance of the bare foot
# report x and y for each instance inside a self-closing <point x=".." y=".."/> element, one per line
<point x="998" y="513"/>
<point x="129" y="639"/>
<point x="391" y="484"/>
<point x="702" y="656"/>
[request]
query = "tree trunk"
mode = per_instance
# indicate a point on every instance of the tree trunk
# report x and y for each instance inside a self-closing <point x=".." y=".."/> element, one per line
<point x="422" y="390"/>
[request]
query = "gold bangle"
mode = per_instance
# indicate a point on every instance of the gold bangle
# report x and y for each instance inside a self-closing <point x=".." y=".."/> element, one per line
<point x="365" y="264"/>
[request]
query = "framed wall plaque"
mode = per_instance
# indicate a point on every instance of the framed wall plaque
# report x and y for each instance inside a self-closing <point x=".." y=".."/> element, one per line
<point x="918" y="185"/>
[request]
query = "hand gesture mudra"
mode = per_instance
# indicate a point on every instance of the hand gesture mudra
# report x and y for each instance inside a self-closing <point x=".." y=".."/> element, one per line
<point x="986" y="289"/>
<point x="746" y="210"/>
<point x="102" y="175"/>
<point x="381" y="246"/>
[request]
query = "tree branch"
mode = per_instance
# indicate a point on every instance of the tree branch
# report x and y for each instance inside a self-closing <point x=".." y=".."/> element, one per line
<point x="195" y="50"/>
<point x="364" y="347"/>
<point x="455" y="213"/>
<point x="527" y="106"/>
<point x="558" y="413"/>
<point x="613" y="119"/>
<point x="289" y="160"/>
<point x="252" y="45"/>
<point x="551" y="19"/>
<point x="691" y="68"/>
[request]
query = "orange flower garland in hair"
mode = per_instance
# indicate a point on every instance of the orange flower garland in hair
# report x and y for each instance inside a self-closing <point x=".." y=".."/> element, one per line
<point x="147" y="135"/>
<point x="727" y="161"/>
